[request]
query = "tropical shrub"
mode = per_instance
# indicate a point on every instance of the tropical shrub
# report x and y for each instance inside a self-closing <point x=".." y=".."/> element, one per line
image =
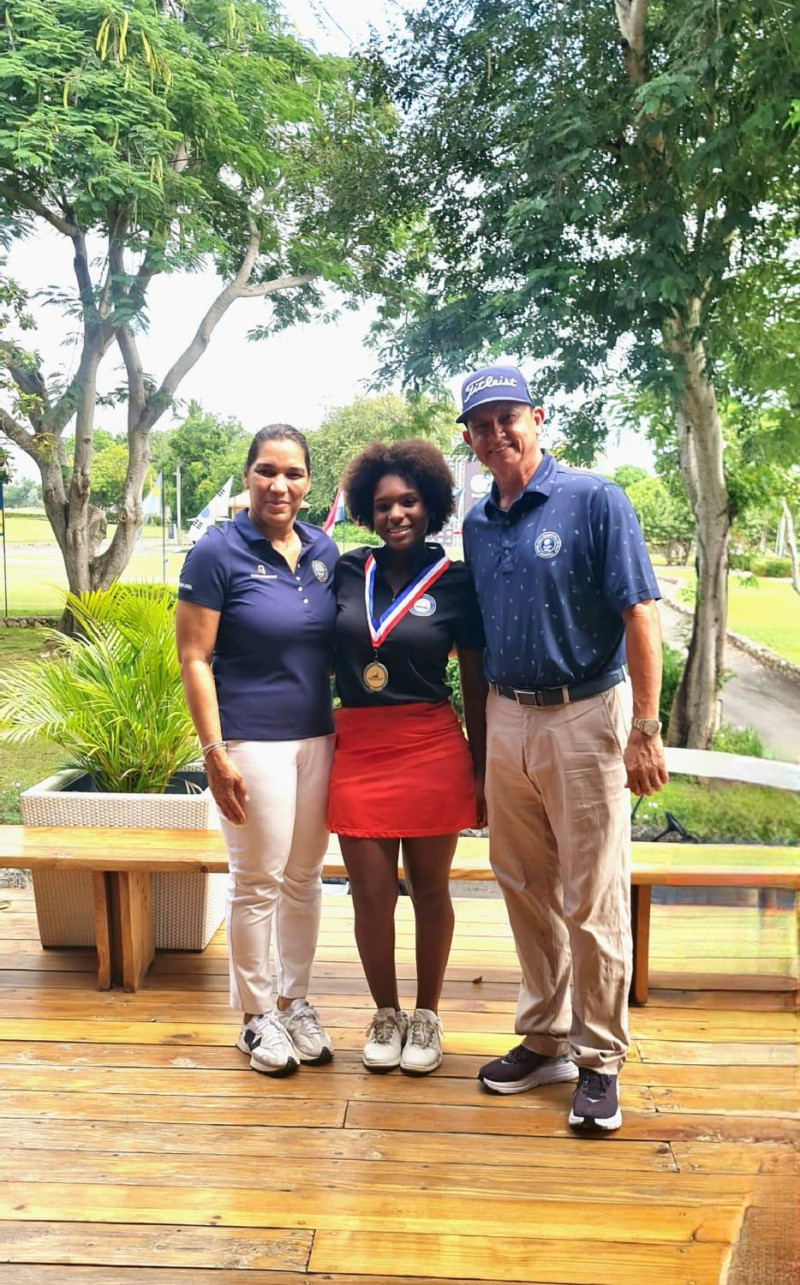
<point x="111" y="696"/>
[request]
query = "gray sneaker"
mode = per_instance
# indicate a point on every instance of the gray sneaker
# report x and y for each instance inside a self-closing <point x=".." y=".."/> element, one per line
<point x="386" y="1036"/>
<point x="522" y="1069"/>
<point x="269" y="1046"/>
<point x="422" y="1051"/>
<point x="312" y="1042"/>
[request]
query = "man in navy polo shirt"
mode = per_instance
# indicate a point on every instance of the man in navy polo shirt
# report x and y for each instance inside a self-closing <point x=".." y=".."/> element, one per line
<point x="567" y="595"/>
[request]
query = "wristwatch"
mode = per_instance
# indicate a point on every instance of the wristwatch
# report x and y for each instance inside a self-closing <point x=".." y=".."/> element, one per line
<point x="650" y="726"/>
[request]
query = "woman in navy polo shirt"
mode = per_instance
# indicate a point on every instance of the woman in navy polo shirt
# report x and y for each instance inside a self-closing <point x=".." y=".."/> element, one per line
<point x="402" y="769"/>
<point x="255" y="628"/>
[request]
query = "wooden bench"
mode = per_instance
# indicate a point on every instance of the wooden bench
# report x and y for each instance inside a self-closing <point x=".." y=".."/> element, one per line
<point x="122" y="862"/>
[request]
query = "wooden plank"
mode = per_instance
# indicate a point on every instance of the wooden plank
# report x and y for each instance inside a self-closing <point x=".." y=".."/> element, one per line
<point x="102" y="928"/>
<point x="429" y="1212"/>
<point x="182" y="1169"/>
<point x="450" y="1256"/>
<point x="137" y="935"/>
<point x="640" y="923"/>
<point x="309" y="1143"/>
<point x="169" y="1246"/>
<point x="267" y="1109"/>
<point x="310" y="1085"/>
<point x="42" y="1274"/>
<point x="724" y="1157"/>
<point x="547" y="1120"/>
<point x="718" y="1053"/>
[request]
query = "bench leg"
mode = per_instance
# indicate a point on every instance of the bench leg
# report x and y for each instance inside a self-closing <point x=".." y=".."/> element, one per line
<point x="103" y="929"/>
<point x="134" y="939"/>
<point x="640" y="915"/>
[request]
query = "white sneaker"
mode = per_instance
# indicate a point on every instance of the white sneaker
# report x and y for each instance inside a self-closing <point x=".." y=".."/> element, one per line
<point x="269" y="1045"/>
<point x="422" y="1051"/>
<point x="385" y="1036"/>
<point x="309" y="1037"/>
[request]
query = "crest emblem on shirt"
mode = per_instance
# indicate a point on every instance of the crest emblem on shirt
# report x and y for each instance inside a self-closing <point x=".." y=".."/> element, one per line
<point x="261" y="570"/>
<point x="320" y="570"/>
<point x="547" y="544"/>
<point x="424" y="606"/>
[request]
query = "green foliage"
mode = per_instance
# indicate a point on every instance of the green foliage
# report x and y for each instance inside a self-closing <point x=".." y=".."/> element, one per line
<point x="25" y="494"/>
<point x="770" y="566"/>
<point x="673" y="662"/>
<point x="209" y="450"/>
<point x="111" y="698"/>
<point x="346" y="431"/>
<point x="724" y="813"/>
<point x="5" y="467"/>
<point x="174" y="137"/>
<point x="739" y="740"/>
<point x="453" y="679"/>
<point x="628" y="474"/>
<point x="665" y="518"/>
<point x="573" y="208"/>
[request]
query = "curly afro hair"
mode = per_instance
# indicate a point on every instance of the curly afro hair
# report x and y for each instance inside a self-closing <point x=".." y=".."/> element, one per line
<point x="421" y="465"/>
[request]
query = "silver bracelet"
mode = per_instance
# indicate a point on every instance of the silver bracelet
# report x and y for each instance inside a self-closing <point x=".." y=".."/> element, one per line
<point x="213" y="745"/>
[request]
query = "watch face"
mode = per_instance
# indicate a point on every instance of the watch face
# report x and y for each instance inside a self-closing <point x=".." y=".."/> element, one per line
<point x="647" y="725"/>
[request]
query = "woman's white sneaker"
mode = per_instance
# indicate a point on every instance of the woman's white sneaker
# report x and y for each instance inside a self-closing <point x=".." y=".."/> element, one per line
<point x="422" y="1051"/>
<point x="269" y="1045"/>
<point x="309" y="1037"/>
<point x="386" y="1034"/>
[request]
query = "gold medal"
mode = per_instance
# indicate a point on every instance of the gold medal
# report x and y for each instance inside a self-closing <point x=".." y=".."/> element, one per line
<point x="376" y="676"/>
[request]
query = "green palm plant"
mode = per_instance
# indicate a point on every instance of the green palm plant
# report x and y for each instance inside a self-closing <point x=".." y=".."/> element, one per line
<point x="111" y="696"/>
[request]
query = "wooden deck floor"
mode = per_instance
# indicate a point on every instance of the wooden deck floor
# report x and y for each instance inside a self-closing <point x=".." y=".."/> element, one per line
<point x="136" y="1145"/>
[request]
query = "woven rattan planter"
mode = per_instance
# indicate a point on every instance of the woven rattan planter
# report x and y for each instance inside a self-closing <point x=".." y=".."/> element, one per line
<point x="188" y="907"/>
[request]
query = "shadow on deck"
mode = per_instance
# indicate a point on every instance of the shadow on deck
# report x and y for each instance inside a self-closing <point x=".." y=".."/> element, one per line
<point x="137" y="1145"/>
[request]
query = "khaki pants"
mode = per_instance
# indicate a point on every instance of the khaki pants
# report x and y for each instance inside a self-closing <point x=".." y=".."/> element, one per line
<point x="275" y="861"/>
<point x="559" y="826"/>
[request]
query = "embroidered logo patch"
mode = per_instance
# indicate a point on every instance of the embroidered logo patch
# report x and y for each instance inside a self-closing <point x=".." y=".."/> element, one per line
<point x="424" y="606"/>
<point x="320" y="570"/>
<point x="547" y="544"/>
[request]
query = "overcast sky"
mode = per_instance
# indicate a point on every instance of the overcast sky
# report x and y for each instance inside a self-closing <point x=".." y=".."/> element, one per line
<point x="295" y="377"/>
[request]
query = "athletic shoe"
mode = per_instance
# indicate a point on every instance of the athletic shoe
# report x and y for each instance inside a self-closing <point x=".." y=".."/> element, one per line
<point x="269" y="1045"/>
<point x="596" y="1101"/>
<point x="422" y="1051"/>
<point x="522" y="1069"/>
<point x="386" y="1034"/>
<point x="312" y="1042"/>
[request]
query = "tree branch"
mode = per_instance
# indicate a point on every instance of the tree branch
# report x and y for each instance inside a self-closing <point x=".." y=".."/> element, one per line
<point x="279" y="283"/>
<point x="35" y="206"/>
<point x="632" y="19"/>
<point x="19" y="435"/>
<point x="238" y="288"/>
<point x="137" y="394"/>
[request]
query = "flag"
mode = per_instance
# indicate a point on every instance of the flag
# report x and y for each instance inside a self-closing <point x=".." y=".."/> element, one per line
<point x="151" y="507"/>
<point x="337" y="512"/>
<point x="216" y="508"/>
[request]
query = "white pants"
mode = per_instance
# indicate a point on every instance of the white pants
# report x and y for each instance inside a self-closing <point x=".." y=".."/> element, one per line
<point x="275" y="862"/>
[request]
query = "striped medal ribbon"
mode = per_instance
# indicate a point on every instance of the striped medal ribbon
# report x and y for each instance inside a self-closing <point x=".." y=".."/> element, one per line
<point x="376" y="675"/>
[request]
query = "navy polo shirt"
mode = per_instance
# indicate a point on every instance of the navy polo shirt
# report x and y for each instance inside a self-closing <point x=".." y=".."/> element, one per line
<point x="553" y="576"/>
<point x="274" y="649"/>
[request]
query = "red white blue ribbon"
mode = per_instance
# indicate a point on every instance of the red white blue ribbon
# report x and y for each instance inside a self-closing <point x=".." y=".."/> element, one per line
<point x="379" y="630"/>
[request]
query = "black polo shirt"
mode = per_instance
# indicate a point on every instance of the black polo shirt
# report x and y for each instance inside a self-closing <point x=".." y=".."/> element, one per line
<point x="416" y="651"/>
<point x="274" y="648"/>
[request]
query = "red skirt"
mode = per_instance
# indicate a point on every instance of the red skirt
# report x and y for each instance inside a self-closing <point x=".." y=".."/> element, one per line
<point x="401" y="772"/>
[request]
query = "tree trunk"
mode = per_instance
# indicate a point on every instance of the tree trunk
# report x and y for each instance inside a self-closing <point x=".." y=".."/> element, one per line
<point x="792" y="543"/>
<point x="693" y="717"/>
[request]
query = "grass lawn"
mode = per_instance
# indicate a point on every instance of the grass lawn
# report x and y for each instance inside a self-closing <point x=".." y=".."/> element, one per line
<point x="20" y="768"/>
<point x="720" y="812"/>
<point x="37" y="579"/>
<point x="769" y="614"/>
